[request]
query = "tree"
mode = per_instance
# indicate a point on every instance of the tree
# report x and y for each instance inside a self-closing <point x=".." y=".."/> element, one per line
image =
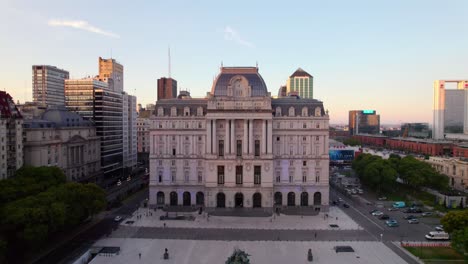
<point x="455" y="220"/>
<point x="460" y="240"/>
<point x="238" y="257"/>
<point x="352" y="142"/>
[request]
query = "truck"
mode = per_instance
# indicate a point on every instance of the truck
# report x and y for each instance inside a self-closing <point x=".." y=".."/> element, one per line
<point x="399" y="205"/>
<point x="437" y="235"/>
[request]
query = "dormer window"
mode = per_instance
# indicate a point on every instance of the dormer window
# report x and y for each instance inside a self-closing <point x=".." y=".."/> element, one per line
<point x="318" y="111"/>
<point x="278" y="111"/>
<point x="291" y="111"/>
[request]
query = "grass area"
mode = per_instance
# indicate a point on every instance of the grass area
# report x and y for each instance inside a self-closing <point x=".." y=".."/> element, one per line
<point x="436" y="253"/>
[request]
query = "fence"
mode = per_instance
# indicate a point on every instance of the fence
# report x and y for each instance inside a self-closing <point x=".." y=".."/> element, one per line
<point x="424" y="244"/>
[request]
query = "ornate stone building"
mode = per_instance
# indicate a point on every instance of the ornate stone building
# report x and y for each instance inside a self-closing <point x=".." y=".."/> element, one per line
<point x="239" y="147"/>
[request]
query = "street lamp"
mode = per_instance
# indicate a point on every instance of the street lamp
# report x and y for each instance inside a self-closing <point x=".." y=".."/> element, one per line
<point x="381" y="237"/>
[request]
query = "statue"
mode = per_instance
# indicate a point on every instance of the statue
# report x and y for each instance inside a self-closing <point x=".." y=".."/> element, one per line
<point x="166" y="254"/>
<point x="238" y="257"/>
<point x="310" y="257"/>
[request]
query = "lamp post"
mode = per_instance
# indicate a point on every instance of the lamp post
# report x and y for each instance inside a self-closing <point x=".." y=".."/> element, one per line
<point x="381" y="237"/>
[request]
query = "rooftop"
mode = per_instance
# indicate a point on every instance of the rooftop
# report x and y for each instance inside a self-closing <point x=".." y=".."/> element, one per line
<point x="300" y="73"/>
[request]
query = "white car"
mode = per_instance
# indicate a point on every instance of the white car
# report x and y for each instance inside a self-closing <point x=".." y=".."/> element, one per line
<point x="117" y="218"/>
<point x="377" y="213"/>
<point x="440" y="228"/>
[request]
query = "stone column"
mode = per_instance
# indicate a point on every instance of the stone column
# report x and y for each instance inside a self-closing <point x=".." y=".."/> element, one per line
<point x="233" y="136"/>
<point x="227" y="145"/>
<point x="264" y="141"/>
<point x="208" y="136"/>
<point x="245" y="143"/>
<point x="251" y="137"/>
<point x="270" y="137"/>
<point x="215" y="140"/>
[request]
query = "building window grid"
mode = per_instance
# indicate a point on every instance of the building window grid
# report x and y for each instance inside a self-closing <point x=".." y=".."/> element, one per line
<point x="220" y="175"/>
<point x="239" y="175"/>
<point x="257" y="175"/>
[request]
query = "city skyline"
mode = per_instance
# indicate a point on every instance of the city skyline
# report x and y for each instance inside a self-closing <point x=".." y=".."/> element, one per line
<point x="388" y="65"/>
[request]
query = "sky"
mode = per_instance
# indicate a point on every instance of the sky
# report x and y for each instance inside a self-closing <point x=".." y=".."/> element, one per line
<point x="381" y="55"/>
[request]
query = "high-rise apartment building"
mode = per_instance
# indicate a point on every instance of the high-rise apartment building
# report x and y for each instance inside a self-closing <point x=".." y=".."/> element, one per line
<point x="239" y="147"/>
<point x="450" y="108"/>
<point x="11" y="135"/>
<point x="129" y="133"/>
<point x="167" y="88"/>
<point x="95" y="101"/>
<point x="49" y="85"/>
<point x="302" y="83"/>
<point x="282" y="91"/>
<point x="364" y="122"/>
<point x="111" y="69"/>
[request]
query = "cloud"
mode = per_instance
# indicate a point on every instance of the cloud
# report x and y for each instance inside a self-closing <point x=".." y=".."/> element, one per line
<point x="232" y="35"/>
<point x="80" y="24"/>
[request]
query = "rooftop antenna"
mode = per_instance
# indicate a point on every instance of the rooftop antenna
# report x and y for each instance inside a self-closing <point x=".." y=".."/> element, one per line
<point x="169" y="57"/>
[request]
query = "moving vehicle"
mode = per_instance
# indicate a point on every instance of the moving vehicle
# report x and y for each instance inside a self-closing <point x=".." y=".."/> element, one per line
<point x="399" y="204"/>
<point x="407" y="217"/>
<point x="437" y="235"/>
<point x="426" y="213"/>
<point x="117" y="218"/>
<point x="413" y="210"/>
<point x="345" y="205"/>
<point x="413" y="221"/>
<point x="392" y="223"/>
<point x="383" y="198"/>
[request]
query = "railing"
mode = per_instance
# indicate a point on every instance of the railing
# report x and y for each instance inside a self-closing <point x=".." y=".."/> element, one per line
<point x="424" y="244"/>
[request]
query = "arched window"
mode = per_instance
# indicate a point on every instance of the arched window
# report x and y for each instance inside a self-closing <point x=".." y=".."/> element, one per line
<point x="173" y="111"/>
<point x="291" y="111"/>
<point x="305" y="111"/>
<point x="160" y="111"/>
<point x="278" y="111"/>
<point x="318" y="111"/>
<point x="200" y="111"/>
<point x="186" y="111"/>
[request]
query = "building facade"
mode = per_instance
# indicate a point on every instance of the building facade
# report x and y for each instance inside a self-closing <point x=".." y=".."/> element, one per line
<point x="238" y="147"/>
<point x="454" y="168"/>
<point x="63" y="139"/>
<point x="111" y="69"/>
<point x="167" y="88"/>
<point x="363" y="122"/>
<point x="143" y="140"/>
<point x="49" y="85"/>
<point x="129" y="127"/>
<point x="11" y="135"/>
<point x="301" y="83"/>
<point x="416" y="130"/>
<point x="94" y="101"/>
<point x="450" y="108"/>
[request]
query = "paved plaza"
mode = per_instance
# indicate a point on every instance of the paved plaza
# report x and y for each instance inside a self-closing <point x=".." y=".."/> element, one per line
<point x="199" y="251"/>
<point x="148" y="218"/>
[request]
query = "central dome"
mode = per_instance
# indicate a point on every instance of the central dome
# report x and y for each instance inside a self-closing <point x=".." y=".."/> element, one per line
<point x="239" y="82"/>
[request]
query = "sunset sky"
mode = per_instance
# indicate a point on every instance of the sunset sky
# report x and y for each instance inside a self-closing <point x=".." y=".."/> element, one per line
<point x="362" y="54"/>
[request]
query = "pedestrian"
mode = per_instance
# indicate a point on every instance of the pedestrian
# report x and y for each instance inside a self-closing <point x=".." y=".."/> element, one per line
<point x="337" y="218"/>
<point x="315" y="235"/>
<point x="139" y="255"/>
<point x="164" y="225"/>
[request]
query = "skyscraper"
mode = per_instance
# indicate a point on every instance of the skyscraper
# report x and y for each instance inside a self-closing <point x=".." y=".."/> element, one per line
<point x="49" y="85"/>
<point x="167" y="88"/>
<point x="129" y="126"/>
<point x="111" y="69"/>
<point x="95" y="101"/>
<point x="364" y="122"/>
<point x="302" y="83"/>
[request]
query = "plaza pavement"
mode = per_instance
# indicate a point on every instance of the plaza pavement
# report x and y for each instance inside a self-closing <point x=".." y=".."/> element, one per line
<point x="143" y="218"/>
<point x="261" y="252"/>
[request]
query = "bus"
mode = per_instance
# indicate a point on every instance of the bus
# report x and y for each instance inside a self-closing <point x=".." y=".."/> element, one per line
<point x="437" y="235"/>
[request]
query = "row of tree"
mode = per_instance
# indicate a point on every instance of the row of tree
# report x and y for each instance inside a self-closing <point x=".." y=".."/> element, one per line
<point x="38" y="202"/>
<point x="456" y="224"/>
<point x="382" y="174"/>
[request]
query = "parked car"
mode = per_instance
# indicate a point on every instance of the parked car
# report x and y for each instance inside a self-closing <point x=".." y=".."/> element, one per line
<point x="399" y="204"/>
<point x="373" y="211"/>
<point x="384" y="217"/>
<point x="377" y="213"/>
<point x="413" y="221"/>
<point x="382" y="198"/>
<point x="439" y="228"/>
<point x="117" y="218"/>
<point x="392" y="209"/>
<point x="407" y="217"/>
<point x="345" y="205"/>
<point x="392" y="223"/>
<point x="437" y="236"/>
<point x="340" y="199"/>
<point x="413" y="211"/>
<point x="427" y="214"/>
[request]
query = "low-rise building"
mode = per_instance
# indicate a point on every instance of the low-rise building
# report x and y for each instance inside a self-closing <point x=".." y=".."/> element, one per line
<point x="455" y="168"/>
<point x="11" y="136"/>
<point x="63" y="139"/>
<point x="143" y="139"/>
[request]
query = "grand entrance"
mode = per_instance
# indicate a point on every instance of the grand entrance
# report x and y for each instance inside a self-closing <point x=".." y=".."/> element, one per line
<point x="173" y="198"/>
<point x="239" y="200"/>
<point x="278" y="198"/>
<point x="257" y="200"/>
<point x="317" y="198"/>
<point x="291" y="199"/>
<point x="160" y="198"/>
<point x="187" y="200"/>
<point x="200" y="198"/>
<point x="304" y="199"/>
<point x="221" y="200"/>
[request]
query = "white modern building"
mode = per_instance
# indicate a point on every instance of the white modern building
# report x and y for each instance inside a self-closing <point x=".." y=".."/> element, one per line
<point x="48" y="83"/>
<point x="239" y="147"/>
<point x="11" y="136"/>
<point x="450" y="109"/>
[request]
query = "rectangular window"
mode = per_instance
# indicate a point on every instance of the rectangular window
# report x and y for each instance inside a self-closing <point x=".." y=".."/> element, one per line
<point x="186" y="176"/>
<point x="173" y="152"/>
<point x="221" y="148"/>
<point x="239" y="174"/>
<point x="291" y="176"/>
<point x="257" y="148"/>
<point x="317" y="176"/>
<point x="278" y="176"/>
<point x="220" y="175"/>
<point x="160" y="176"/>
<point x="304" y="176"/>
<point x="239" y="148"/>
<point x="304" y="163"/>
<point x="173" y="176"/>
<point x="200" y="176"/>
<point x="172" y="162"/>
<point x="257" y="174"/>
